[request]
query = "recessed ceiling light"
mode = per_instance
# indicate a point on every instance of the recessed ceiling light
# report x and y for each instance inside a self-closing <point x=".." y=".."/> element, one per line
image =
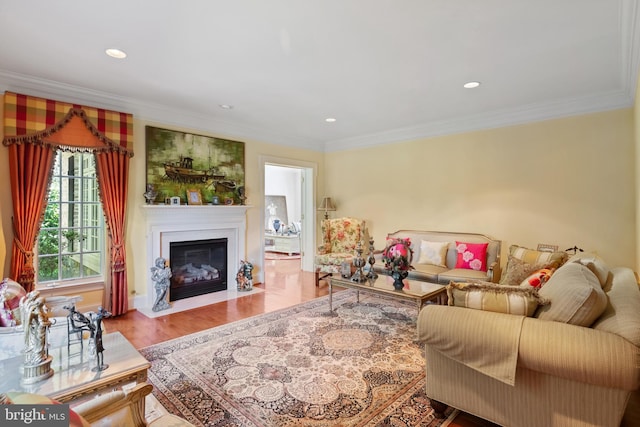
<point x="116" y="53"/>
<point x="471" y="85"/>
<point x="330" y="120"/>
<point x="226" y="106"/>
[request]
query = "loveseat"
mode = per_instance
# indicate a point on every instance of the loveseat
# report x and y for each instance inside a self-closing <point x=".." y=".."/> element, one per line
<point x="574" y="361"/>
<point x="435" y="256"/>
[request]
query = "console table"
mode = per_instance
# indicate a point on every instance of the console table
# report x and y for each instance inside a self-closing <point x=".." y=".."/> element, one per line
<point x="287" y="243"/>
<point x="73" y="377"/>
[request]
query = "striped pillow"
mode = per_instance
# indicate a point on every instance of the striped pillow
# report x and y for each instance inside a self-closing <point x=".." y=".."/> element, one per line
<point x="575" y="296"/>
<point x="492" y="297"/>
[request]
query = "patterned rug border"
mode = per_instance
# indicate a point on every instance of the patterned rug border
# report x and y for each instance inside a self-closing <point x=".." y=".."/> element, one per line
<point x="165" y="349"/>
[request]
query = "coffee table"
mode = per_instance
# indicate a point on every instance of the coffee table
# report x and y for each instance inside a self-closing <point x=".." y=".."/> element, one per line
<point x="73" y="377"/>
<point x="414" y="290"/>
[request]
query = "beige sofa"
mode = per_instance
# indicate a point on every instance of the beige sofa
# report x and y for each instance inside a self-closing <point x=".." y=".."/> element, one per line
<point x="537" y="372"/>
<point x="447" y="272"/>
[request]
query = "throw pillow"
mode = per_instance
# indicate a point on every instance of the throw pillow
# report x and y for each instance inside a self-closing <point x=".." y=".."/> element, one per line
<point x="530" y="256"/>
<point x="434" y="253"/>
<point x="472" y="256"/>
<point x="489" y="296"/>
<point x="575" y="296"/>
<point x="538" y="278"/>
<point x="595" y="264"/>
<point x="10" y="294"/>
<point x="523" y="262"/>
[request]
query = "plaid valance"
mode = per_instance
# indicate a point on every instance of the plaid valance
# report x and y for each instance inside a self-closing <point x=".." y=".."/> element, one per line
<point x="30" y="119"/>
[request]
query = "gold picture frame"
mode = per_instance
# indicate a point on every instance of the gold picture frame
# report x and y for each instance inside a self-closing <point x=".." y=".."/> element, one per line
<point x="194" y="197"/>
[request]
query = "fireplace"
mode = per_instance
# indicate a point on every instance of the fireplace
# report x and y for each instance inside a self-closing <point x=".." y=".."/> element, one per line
<point x="169" y="224"/>
<point x="198" y="267"/>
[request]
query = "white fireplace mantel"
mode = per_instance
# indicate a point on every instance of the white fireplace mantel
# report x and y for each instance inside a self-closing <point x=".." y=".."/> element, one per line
<point x="166" y="224"/>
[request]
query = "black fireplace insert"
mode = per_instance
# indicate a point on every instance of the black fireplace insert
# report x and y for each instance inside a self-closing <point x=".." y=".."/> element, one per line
<point x="198" y="267"/>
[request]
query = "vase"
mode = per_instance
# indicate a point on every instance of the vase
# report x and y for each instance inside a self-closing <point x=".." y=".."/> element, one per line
<point x="398" y="277"/>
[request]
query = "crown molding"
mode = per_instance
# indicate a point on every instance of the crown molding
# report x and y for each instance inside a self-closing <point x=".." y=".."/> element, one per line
<point x="35" y="86"/>
<point x="490" y="120"/>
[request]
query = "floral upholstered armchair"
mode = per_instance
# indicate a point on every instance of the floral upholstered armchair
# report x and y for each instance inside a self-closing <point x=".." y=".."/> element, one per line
<point x="339" y="239"/>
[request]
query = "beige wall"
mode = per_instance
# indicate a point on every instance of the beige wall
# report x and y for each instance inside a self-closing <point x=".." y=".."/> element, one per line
<point x="564" y="182"/>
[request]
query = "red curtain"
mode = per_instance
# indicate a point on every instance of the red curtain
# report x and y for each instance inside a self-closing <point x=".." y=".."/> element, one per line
<point x="30" y="168"/>
<point x="34" y="128"/>
<point x="113" y="171"/>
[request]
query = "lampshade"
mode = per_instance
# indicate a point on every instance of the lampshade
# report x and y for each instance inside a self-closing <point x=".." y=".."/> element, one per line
<point x="326" y="206"/>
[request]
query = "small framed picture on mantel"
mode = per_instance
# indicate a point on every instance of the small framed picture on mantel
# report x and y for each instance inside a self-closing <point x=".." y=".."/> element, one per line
<point x="194" y="197"/>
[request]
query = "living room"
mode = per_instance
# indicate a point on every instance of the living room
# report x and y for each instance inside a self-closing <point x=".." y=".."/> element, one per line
<point x="569" y="179"/>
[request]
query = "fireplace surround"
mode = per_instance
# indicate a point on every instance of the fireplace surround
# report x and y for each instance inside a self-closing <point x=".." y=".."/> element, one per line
<point x="166" y="224"/>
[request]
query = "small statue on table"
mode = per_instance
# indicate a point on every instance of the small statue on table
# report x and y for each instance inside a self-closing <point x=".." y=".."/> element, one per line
<point x="96" y="320"/>
<point x="371" y="274"/>
<point x="35" y="321"/>
<point x="160" y="274"/>
<point x="244" y="278"/>
<point x="359" y="263"/>
<point x="77" y="324"/>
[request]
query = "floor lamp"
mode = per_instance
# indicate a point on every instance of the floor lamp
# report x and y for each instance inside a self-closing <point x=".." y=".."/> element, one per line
<point x="326" y="206"/>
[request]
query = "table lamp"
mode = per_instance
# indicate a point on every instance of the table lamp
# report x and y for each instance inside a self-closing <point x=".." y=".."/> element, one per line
<point x="326" y="206"/>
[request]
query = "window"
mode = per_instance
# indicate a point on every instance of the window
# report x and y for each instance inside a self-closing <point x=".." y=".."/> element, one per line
<point x="71" y="242"/>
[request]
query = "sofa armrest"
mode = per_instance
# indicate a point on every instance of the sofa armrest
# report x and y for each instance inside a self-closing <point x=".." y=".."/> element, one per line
<point x="579" y="353"/>
<point x="558" y="349"/>
<point x="493" y="272"/>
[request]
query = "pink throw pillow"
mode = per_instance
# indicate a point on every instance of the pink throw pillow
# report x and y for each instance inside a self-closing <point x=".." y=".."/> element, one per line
<point x="472" y="256"/>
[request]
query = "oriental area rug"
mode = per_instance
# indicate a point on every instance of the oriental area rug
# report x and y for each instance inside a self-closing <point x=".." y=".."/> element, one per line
<point x="300" y="366"/>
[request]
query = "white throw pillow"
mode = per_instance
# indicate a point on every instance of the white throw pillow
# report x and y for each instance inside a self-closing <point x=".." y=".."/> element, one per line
<point x="434" y="253"/>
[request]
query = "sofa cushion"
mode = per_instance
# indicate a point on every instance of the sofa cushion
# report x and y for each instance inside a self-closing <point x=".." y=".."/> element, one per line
<point x="575" y="296"/>
<point x="595" y="264"/>
<point x="461" y="275"/>
<point x="472" y="256"/>
<point x="434" y="253"/>
<point x="489" y="296"/>
<point x="427" y="272"/>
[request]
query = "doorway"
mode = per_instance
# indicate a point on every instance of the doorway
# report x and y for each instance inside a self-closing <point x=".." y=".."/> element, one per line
<point x="289" y="183"/>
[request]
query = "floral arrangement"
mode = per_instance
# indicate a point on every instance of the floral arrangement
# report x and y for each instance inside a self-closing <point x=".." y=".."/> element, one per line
<point x="397" y="255"/>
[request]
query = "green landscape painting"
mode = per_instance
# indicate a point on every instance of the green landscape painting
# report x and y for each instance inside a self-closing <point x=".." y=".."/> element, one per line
<point x="178" y="162"/>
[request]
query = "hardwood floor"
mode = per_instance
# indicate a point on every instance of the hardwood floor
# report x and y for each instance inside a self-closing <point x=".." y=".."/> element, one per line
<point x="284" y="285"/>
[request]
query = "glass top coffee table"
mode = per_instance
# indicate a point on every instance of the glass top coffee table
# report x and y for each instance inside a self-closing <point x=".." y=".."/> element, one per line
<point x="414" y="290"/>
<point x="73" y="377"/>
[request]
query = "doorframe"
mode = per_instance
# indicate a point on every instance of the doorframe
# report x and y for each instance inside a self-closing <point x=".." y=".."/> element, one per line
<point x="309" y="176"/>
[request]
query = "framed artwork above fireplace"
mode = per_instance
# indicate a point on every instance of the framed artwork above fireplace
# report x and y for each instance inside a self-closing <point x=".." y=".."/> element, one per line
<point x="179" y="164"/>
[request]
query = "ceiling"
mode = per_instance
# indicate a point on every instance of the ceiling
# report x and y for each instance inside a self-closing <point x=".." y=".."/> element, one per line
<point x="386" y="70"/>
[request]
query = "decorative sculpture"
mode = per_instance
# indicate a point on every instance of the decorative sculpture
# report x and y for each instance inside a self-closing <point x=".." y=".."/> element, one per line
<point x="150" y="194"/>
<point x="244" y="278"/>
<point x="77" y="324"/>
<point x="35" y="321"/>
<point x="96" y="320"/>
<point x="160" y="274"/>
<point x="359" y="263"/>
<point x="371" y="274"/>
